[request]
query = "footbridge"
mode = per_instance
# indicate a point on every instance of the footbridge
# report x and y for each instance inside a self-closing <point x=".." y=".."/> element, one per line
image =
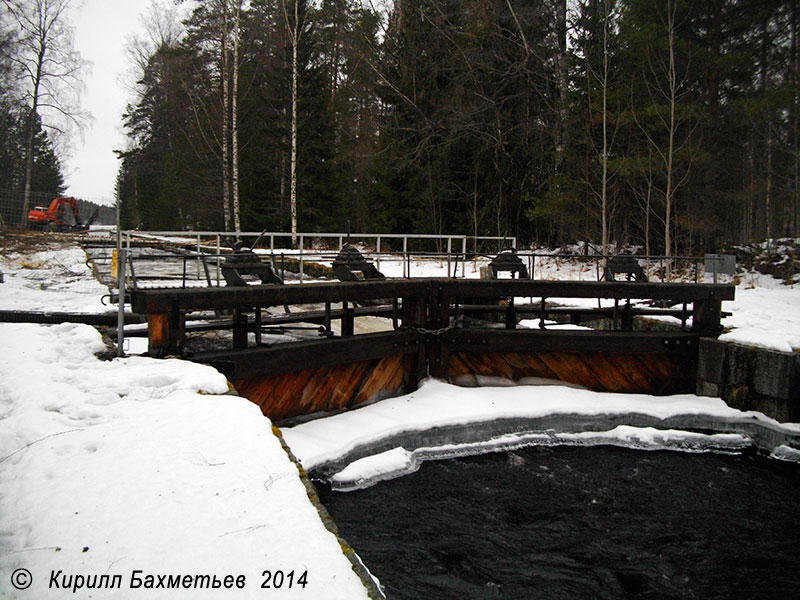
<point x="463" y="331"/>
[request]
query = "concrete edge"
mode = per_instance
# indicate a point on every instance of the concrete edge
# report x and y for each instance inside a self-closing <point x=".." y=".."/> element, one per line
<point x="370" y="584"/>
<point x="367" y="580"/>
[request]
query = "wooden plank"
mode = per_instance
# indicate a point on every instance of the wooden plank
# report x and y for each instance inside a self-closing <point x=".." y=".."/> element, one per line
<point x="384" y="380"/>
<point x="464" y="288"/>
<point x="162" y="300"/>
<point x="326" y="388"/>
<point x="296" y="356"/>
<point x="610" y="372"/>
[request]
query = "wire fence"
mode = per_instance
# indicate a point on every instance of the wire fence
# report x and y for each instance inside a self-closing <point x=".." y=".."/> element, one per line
<point x="13" y="217"/>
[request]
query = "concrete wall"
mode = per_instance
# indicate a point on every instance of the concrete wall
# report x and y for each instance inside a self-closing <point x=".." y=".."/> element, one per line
<point x="750" y="378"/>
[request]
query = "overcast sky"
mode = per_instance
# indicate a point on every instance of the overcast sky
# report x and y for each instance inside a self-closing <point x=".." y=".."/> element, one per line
<point x="102" y="30"/>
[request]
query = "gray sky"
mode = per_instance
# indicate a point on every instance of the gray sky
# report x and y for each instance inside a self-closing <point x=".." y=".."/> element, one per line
<point x="102" y="29"/>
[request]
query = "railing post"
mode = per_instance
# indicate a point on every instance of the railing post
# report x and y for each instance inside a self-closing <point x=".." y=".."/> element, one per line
<point x="464" y="253"/>
<point x="219" y="258"/>
<point x="301" y="259"/>
<point x="122" y="257"/>
<point x="449" y="250"/>
<point x="198" y="256"/>
<point x="406" y="272"/>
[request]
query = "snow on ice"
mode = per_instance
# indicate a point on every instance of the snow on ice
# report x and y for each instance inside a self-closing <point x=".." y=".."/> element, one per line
<point x="352" y="445"/>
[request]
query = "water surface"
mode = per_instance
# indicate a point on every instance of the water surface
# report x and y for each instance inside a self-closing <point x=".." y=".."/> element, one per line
<point x="599" y="522"/>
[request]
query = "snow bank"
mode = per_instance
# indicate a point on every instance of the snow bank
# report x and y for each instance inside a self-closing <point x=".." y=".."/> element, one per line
<point x="133" y="465"/>
<point x="765" y="317"/>
<point x="56" y="280"/>
<point x="370" y="470"/>
<point x="439" y="420"/>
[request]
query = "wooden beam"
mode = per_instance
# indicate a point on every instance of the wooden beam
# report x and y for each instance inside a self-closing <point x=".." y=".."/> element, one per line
<point x="163" y="300"/>
<point x="550" y="340"/>
<point x="297" y="356"/>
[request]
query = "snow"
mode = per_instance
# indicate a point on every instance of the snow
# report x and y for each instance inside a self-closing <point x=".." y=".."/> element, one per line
<point x="138" y="463"/>
<point x="769" y="318"/>
<point x="370" y="470"/>
<point x="437" y="404"/>
<point x="107" y="467"/>
<point x="56" y="280"/>
<point x="351" y="444"/>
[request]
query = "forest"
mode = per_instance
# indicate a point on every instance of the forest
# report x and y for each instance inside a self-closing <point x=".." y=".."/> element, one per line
<point x="668" y="125"/>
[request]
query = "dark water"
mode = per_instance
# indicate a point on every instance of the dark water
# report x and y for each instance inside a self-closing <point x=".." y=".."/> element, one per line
<point x="597" y="522"/>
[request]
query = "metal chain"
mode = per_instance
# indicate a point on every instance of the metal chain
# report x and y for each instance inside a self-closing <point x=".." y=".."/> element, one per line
<point x="423" y="331"/>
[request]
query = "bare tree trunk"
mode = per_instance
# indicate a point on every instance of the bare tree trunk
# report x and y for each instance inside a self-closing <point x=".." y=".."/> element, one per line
<point x="224" y="79"/>
<point x="235" y="119"/>
<point x="793" y="212"/>
<point x="294" y="31"/>
<point x="604" y="156"/>
<point x="673" y="85"/>
<point x="293" y="167"/>
<point x="475" y="203"/>
<point x="768" y="190"/>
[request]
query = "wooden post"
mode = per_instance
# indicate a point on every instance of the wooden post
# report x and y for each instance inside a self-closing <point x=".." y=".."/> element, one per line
<point x="165" y="333"/>
<point x="415" y="314"/>
<point x="706" y="317"/>
<point x="239" y="330"/>
<point x="348" y="320"/>
<point x="627" y="317"/>
<point x="438" y="319"/>
<point x="511" y="314"/>
<point x="415" y="311"/>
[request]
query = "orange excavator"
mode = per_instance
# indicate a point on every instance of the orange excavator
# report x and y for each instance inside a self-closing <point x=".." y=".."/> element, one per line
<point x="61" y="215"/>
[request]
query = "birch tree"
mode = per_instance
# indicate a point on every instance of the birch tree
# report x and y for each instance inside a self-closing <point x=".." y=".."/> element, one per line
<point x="294" y="28"/>
<point x="667" y="122"/>
<point x="237" y="10"/>
<point x="49" y="70"/>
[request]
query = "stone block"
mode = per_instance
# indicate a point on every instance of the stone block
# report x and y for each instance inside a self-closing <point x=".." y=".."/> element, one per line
<point x="706" y="388"/>
<point x="777" y="374"/>
<point x="711" y="361"/>
<point x="739" y="366"/>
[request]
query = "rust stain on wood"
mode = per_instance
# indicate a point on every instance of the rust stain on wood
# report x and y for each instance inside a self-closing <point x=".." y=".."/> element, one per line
<point x="608" y="372"/>
<point x="325" y="388"/>
<point x="338" y="387"/>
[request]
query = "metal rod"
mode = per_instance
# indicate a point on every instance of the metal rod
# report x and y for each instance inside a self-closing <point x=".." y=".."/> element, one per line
<point x="121" y="262"/>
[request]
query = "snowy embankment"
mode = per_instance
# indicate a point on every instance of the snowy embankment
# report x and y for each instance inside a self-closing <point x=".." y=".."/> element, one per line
<point x="112" y="467"/>
<point x="113" y="471"/>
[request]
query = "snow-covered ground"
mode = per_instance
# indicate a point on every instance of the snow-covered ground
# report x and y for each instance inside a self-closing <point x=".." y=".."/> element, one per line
<point x="53" y="279"/>
<point x="115" y="473"/>
<point x="134" y="467"/>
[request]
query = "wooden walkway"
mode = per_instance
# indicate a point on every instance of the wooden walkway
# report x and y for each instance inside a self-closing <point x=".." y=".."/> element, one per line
<point x="338" y="372"/>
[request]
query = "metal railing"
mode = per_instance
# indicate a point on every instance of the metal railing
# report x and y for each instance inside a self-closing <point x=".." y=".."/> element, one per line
<point x="210" y="247"/>
<point x="208" y="250"/>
